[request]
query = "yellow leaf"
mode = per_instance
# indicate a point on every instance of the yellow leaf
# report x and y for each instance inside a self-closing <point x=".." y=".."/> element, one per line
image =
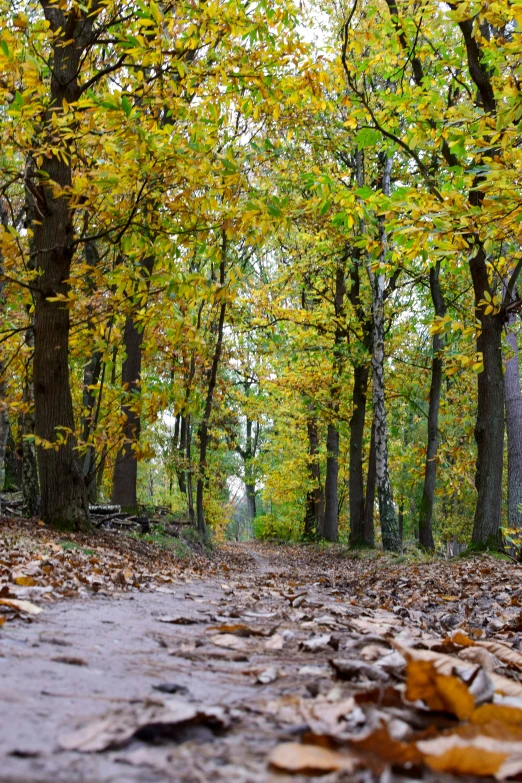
<point x="25" y="581"/>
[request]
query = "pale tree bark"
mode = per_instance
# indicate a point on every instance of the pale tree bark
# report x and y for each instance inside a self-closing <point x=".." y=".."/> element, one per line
<point x="513" y="399"/>
<point x="388" y="518"/>
<point x="430" y="470"/>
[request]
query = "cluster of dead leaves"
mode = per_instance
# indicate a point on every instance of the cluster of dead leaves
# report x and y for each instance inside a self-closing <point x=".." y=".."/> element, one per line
<point x="38" y="565"/>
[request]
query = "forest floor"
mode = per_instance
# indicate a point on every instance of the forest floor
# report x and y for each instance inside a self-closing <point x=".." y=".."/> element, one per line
<point x="259" y="663"/>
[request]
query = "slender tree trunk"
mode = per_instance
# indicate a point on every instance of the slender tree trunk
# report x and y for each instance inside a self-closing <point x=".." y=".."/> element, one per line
<point x="203" y="432"/>
<point x="388" y="517"/>
<point x="513" y="398"/>
<point x="430" y="470"/>
<point x="331" y="485"/>
<point x="369" y="503"/>
<point x="91" y="376"/>
<point x="190" y="490"/>
<point x="315" y="496"/>
<point x="30" y="484"/>
<point x="489" y="428"/>
<point x="361" y="373"/>
<point x="4" y="416"/>
<point x="330" y="529"/>
<point x="124" y="492"/>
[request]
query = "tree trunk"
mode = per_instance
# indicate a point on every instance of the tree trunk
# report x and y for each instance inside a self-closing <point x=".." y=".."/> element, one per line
<point x="361" y="373"/>
<point x="203" y="434"/>
<point x="4" y="416"/>
<point x="331" y="484"/>
<point x="430" y="470"/>
<point x="489" y="428"/>
<point x="315" y="496"/>
<point x="190" y="491"/>
<point x="388" y="517"/>
<point x="369" y="503"/>
<point x="91" y="376"/>
<point x="63" y="497"/>
<point x="124" y="491"/>
<point x="513" y="398"/>
<point x="30" y="484"/>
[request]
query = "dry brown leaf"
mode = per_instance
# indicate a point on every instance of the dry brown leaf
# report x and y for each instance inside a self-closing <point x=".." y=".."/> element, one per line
<point x="462" y="760"/>
<point x="118" y="728"/>
<point x="438" y="691"/>
<point x="504" y="653"/>
<point x="298" y="759"/>
<point x="2" y="620"/>
<point x="25" y="581"/>
<point x="21" y="606"/>
<point x="229" y="641"/>
<point x="391" y="750"/>
<point x="502" y="713"/>
<point x="240" y="629"/>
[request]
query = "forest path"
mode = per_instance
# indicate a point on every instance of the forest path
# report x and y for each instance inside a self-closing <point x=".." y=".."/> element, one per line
<point x="244" y="653"/>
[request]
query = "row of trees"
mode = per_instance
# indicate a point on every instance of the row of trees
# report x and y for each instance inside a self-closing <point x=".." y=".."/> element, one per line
<point x="229" y="252"/>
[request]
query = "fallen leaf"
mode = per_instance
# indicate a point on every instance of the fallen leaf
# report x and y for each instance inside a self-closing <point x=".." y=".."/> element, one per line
<point x="309" y="759"/>
<point x="25" y="581"/>
<point x="438" y="691"/>
<point x="267" y="676"/>
<point x="21" y="606"/>
<point x="118" y="728"/>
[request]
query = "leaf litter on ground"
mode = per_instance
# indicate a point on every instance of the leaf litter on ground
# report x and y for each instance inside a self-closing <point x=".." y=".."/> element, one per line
<point x="413" y="681"/>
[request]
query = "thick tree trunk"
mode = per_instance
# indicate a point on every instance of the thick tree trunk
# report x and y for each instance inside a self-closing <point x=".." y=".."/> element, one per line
<point x="513" y="398"/>
<point x="369" y="503"/>
<point x="388" y="517"/>
<point x="63" y="497"/>
<point x="315" y="496"/>
<point x="203" y="431"/>
<point x="430" y="470"/>
<point x="489" y="428"/>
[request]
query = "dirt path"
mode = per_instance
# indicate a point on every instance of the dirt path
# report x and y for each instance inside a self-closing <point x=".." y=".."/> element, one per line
<point x="254" y="644"/>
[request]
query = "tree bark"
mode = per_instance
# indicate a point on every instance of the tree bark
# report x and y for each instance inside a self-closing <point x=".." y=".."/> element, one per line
<point x="388" y="517"/>
<point x="489" y="428"/>
<point x="330" y="527"/>
<point x="4" y="415"/>
<point x="315" y="496"/>
<point x="30" y="484"/>
<point x="63" y="497"/>
<point x="369" y="503"/>
<point x="430" y="470"/>
<point x="124" y="491"/>
<point x="361" y="374"/>
<point x="513" y="399"/>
